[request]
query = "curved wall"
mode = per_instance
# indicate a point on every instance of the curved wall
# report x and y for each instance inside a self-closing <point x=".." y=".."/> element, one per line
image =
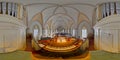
<point x="107" y="32"/>
<point x="12" y="34"/>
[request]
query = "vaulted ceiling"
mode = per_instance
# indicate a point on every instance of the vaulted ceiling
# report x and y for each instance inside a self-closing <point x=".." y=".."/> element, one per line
<point x="91" y="2"/>
<point x="61" y="9"/>
<point x="60" y="14"/>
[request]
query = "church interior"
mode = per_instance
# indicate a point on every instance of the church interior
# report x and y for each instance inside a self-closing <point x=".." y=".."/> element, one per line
<point x="59" y="29"/>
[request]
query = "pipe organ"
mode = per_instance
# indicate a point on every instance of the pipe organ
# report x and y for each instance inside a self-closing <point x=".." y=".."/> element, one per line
<point x="12" y="9"/>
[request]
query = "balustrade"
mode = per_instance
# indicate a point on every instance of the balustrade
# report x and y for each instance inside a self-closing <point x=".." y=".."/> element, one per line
<point x="12" y="9"/>
<point x="107" y="9"/>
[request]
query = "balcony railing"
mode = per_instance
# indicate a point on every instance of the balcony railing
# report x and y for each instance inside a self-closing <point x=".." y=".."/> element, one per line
<point x="12" y="9"/>
<point x="107" y="9"/>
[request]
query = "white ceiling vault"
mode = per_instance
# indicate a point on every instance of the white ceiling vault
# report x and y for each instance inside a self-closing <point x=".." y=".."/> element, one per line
<point x="61" y="2"/>
<point x="73" y="9"/>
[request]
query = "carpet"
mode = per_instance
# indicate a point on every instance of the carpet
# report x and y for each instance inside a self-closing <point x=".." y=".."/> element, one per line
<point x="16" y="55"/>
<point x="103" y="55"/>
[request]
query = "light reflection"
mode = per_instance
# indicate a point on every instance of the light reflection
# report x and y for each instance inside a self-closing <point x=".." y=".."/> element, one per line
<point x="61" y="40"/>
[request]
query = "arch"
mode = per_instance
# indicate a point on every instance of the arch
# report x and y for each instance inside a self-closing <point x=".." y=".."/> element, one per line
<point x="72" y="29"/>
<point x="84" y="32"/>
<point x="50" y="18"/>
<point x="48" y="8"/>
<point x="84" y="19"/>
<point x="58" y="22"/>
<point x="36" y="17"/>
<point x="35" y="31"/>
<point x="64" y="25"/>
<point x="84" y="24"/>
<point x="36" y="23"/>
<point x="46" y="31"/>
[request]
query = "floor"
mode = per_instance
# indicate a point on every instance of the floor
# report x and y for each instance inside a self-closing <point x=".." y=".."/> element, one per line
<point x="85" y="56"/>
<point x="104" y="55"/>
<point x="16" y="55"/>
<point x="91" y="55"/>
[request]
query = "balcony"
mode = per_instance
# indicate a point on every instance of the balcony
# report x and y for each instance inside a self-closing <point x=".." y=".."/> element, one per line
<point x="11" y="9"/>
<point x="107" y="9"/>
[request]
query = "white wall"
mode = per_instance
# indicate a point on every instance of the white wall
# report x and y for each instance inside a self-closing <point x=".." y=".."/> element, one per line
<point x="12" y="34"/>
<point x="107" y="34"/>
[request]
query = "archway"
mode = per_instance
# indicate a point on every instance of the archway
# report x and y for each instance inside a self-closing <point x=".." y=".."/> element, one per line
<point x="84" y="32"/>
<point x="85" y="26"/>
<point x="36" y="28"/>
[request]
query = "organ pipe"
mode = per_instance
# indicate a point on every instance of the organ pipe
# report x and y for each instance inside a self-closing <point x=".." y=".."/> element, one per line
<point x="0" y="8"/>
<point x="109" y="9"/>
<point x="106" y="9"/>
<point x="12" y="9"/>
<point x="115" y="12"/>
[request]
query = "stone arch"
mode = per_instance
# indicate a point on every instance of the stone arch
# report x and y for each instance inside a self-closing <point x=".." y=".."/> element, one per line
<point x="37" y="17"/>
<point x="33" y="23"/>
<point x="65" y="15"/>
<point x="82" y="17"/>
<point x="84" y="24"/>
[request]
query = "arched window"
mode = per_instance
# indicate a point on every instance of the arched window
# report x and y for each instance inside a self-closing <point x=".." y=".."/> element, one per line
<point x="84" y="32"/>
<point x="35" y="32"/>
